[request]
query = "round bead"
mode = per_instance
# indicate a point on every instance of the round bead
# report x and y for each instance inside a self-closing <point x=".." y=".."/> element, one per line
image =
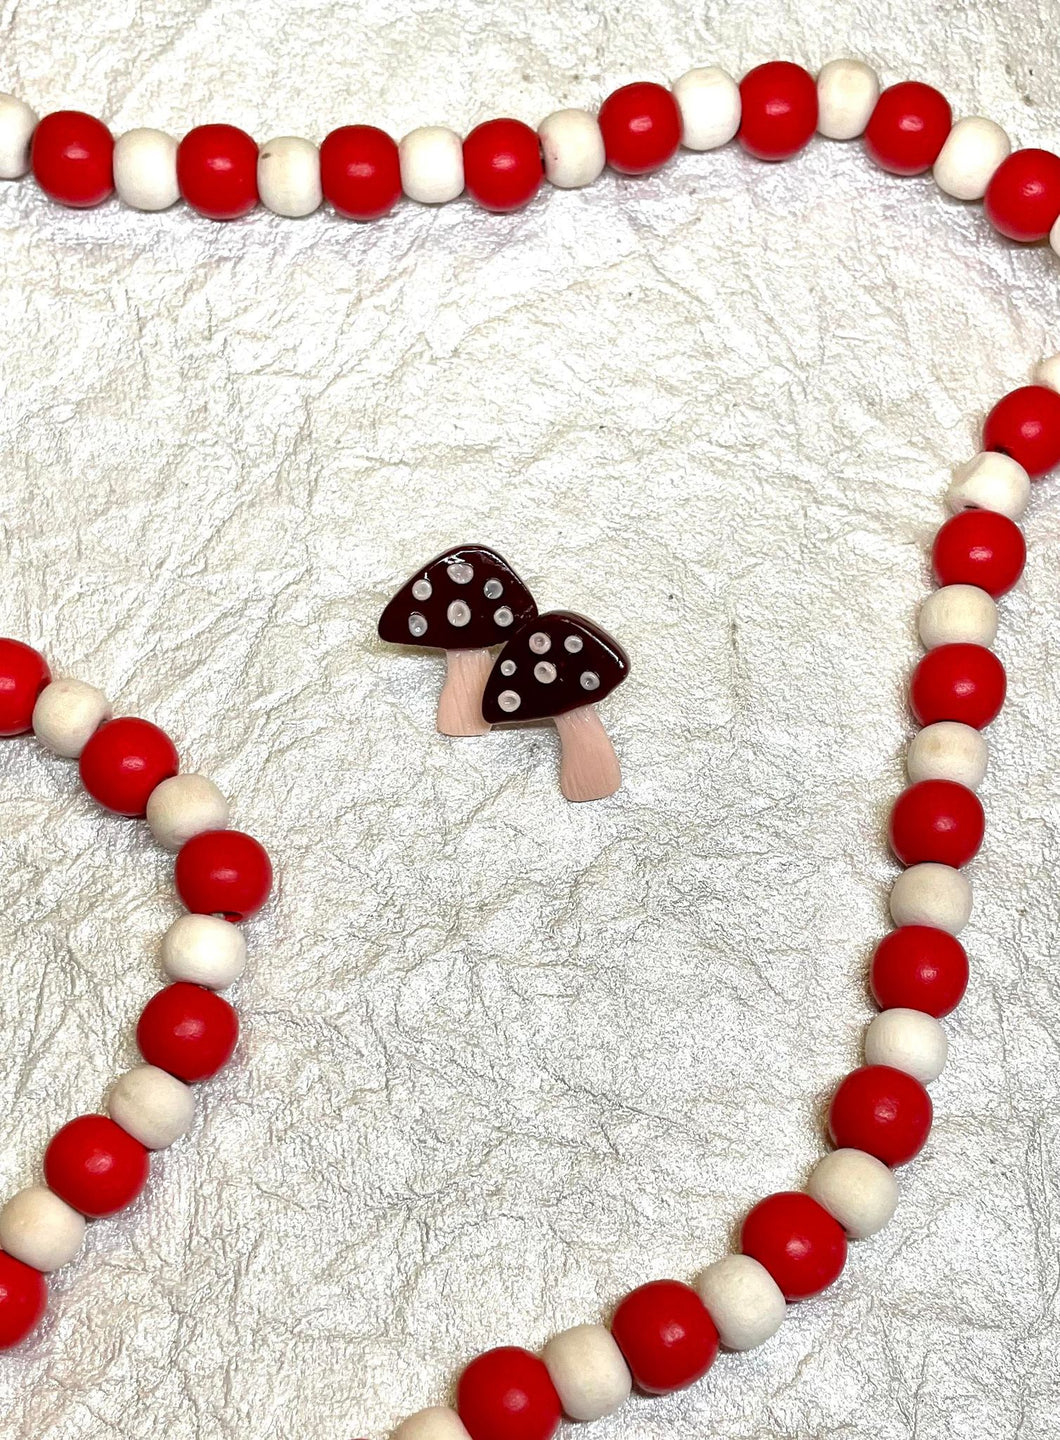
<point x="223" y="872"/>
<point x="908" y="129"/>
<point x="1023" y="198"/>
<point x="502" y="165"/>
<point x="204" y="950"/>
<point x="145" y="169"/>
<point x="947" y="750"/>
<point x="23" y="1296"/>
<point x="572" y="148"/>
<point x="907" y="1040"/>
<point x="958" y="682"/>
<point x="506" y="1394"/>
<point x="641" y="126"/>
<point x="883" y="1111"/>
<point x="970" y="157"/>
<point x="797" y="1241"/>
<point x="743" y="1300"/>
<point x="708" y="99"/>
<point x="432" y="164"/>
<point x="183" y="806"/>
<point x="95" y="1166"/>
<point x="991" y="481"/>
<point x="1054" y="237"/>
<point x="188" y="1032"/>
<point x="586" y="1366"/>
<point x="936" y="820"/>
<point x="958" y="615"/>
<point x="23" y="675"/>
<point x="123" y="762"/>
<point x="217" y="169"/>
<point x="919" y="968"/>
<point x="931" y="894"/>
<point x="41" y="1230"/>
<point x="1047" y="373"/>
<point x="72" y="155"/>
<point x="359" y="172"/>
<point x="436" y="1423"/>
<point x="779" y="110"/>
<point x="847" y="91"/>
<point x="668" y="1339"/>
<point x="152" y="1106"/>
<point x="856" y="1189"/>
<point x="17" y="124"/>
<point x="289" y="176"/>
<point x="67" y="714"/>
<point x="979" y="547"/>
<point x="1025" y="424"/>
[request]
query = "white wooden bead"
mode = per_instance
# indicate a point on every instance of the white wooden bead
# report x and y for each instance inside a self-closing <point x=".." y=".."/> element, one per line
<point x="151" y="1106"/>
<point x="908" y="1040"/>
<point x="289" y="176"/>
<point x="183" y="806"/>
<point x="856" y="1189"/>
<point x="437" y="1423"/>
<point x="1054" y="237"/>
<point x="847" y="91"/>
<point x="17" y="124"/>
<point x="709" y="101"/>
<point x="572" y="148"/>
<point x="958" y="614"/>
<point x="743" y="1300"/>
<point x="948" y="750"/>
<point x="932" y="894"/>
<point x="970" y="157"/>
<point x="41" y="1230"/>
<point x="67" y="714"/>
<point x="588" y="1371"/>
<point x="1047" y="372"/>
<point x="145" y="169"/>
<point x="990" y="481"/>
<point x="204" y="950"/>
<point x="432" y="164"/>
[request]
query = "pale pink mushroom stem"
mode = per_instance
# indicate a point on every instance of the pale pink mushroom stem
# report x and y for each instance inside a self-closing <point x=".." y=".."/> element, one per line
<point x="589" y="769"/>
<point x="460" y="703"/>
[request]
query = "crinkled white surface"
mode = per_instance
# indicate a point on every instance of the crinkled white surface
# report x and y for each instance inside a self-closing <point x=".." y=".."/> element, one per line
<point x="503" y="1058"/>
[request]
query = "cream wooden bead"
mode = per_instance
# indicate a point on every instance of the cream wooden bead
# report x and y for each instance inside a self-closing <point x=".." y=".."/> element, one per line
<point x="183" y="806"/>
<point x="743" y="1300"/>
<point x="41" y="1230"/>
<point x="856" y="1189"/>
<point x="572" y="148"/>
<point x="990" y="482"/>
<point x="1047" y="372"/>
<point x="67" y="714"/>
<point x="948" y="750"/>
<point x="588" y="1371"/>
<point x="432" y="164"/>
<point x="437" y="1423"/>
<point x="958" y="614"/>
<point x="1054" y="237"/>
<point x="932" y="894"/>
<point x="908" y="1040"/>
<point x="204" y="950"/>
<point x="847" y="91"/>
<point x="709" y="101"/>
<point x="145" y="169"/>
<point x="970" y="157"/>
<point x="151" y="1106"/>
<point x="17" y="124"/>
<point x="289" y="176"/>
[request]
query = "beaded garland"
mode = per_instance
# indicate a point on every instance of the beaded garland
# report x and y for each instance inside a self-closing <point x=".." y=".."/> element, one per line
<point x="664" y="1335"/>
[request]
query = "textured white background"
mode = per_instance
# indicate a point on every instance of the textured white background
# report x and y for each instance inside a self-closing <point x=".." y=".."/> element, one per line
<point x="503" y="1058"/>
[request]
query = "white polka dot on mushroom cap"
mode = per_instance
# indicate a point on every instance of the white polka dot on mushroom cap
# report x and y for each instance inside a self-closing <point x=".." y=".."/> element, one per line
<point x="509" y="700"/>
<point x="461" y="573"/>
<point x="459" y="613"/>
<point x="508" y="667"/>
<point x="539" y="643"/>
<point x="572" y="644"/>
<point x="545" y="671"/>
<point x="417" y="624"/>
<point x="503" y="616"/>
<point x="422" y="590"/>
<point x="493" y="589"/>
<point x="589" y="680"/>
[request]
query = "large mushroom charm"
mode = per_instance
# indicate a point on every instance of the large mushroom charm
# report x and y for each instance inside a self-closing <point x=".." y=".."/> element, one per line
<point x="463" y="602"/>
<point x="556" y="668"/>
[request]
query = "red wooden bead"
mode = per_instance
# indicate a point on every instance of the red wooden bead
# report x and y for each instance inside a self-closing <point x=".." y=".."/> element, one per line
<point x="506" y="1394"/>
<point x="96" y="1167"/>
<point x="23" y="1296"/>
<point x="1025" y="424"/>
<point x="908" y="128"/>
<point x="124" y="761"/>
<point x="72" y="155"/>
<point x="666" y="1336"/>
<point x="778" y="110"/>
<point x="1023" y="199"/>
<point x="23" y="675"/>
<point x="882" y="1111"/>
<point x="797" y="1241"/>
<point x="958" y="682"/>
<point x="937" y="820"/>
<point x="188" y="1031"/>
<point x="502" y="165"/>
<point x="979" y="547"/>
<point x="918" y="968"/>
<point x="641" y="126"/>
<point x="223" y="872"/>
<point x="359" y="172"/>
<point x="217" y="171"/>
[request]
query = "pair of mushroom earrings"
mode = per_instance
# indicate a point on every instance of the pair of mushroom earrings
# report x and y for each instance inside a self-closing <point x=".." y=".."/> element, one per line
<point x="553" y="666"/>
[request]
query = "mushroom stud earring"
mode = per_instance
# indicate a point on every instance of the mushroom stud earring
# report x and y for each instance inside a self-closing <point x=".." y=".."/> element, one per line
<point x="463" y="602"/>
<point x="556" y="668"/>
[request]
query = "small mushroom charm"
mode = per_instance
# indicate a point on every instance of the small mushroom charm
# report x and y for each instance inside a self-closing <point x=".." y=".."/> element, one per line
<point x="463" y="602"/>
<point x="556" y="668"/>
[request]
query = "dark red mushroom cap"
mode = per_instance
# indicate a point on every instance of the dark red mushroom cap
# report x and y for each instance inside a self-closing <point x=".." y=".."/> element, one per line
<point x="465" y="599"/>
<point x="555" y="663"/>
